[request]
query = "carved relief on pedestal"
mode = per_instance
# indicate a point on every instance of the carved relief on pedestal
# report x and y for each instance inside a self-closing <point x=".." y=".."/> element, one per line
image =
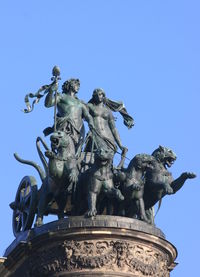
<point x="100" y="255"/>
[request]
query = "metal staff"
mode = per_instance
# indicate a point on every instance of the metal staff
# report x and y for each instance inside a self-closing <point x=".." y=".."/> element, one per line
<point x="55" y="78"/>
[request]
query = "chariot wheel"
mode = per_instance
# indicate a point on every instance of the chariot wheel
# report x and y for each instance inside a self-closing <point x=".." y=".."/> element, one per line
<point x="24" y="207"/>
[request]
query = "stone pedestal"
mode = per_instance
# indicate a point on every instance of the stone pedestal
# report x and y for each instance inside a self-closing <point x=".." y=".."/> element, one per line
<point x="104" y="246"/>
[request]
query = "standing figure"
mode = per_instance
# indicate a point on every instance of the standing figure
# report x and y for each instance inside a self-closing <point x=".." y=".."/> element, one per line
<point x="71" y="112"/>
<point x="105" y="135"/>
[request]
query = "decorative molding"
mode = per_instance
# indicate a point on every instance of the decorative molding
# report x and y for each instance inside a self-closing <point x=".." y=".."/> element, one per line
<point x="77" y="246"/>
<point x="106" y="255"/>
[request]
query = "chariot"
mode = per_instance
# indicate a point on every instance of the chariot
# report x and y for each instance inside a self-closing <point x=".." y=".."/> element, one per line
<point x="28" y="195"/>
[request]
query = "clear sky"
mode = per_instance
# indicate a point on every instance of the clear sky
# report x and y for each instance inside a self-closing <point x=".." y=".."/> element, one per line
<point x="146" y="53"/>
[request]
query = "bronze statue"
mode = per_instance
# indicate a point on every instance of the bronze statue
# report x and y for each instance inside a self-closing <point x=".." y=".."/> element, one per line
<point x="132" y="184"/>
<point x="71" y="112"/>
<point x="73" y="185"/>
<point x="146" y="181"/>
<point x="95" y="181"/>
<point x="59" y="176"/>
<point x="106" y="134"/>
<point x="159" y="181"/>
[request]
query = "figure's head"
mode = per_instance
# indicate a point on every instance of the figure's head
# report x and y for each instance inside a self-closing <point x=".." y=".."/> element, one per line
<point x="71" y="85"/>
<point x="98" y="95"/>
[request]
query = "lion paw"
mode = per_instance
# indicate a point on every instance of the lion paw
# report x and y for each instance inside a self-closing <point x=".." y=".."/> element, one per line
<point x="136" y="187"/>
<point x="91" y="213"/>
<point x="169" y="190"/>
<point x="145" y="219"/>
<point x="191" y="175"/>
<point x="188" y="175"/>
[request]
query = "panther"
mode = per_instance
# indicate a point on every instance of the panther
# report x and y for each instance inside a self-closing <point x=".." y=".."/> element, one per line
<point x="131" y="183"/>
<point x="159" y="181"/>
<point x="60" y="173"/>
<point x="95" y="183"/>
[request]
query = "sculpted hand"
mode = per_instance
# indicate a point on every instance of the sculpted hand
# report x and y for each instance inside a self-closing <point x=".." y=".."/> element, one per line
<point x="73" y="176"/>
<point x="54" y="86"/>
<point x="124" y="149"/>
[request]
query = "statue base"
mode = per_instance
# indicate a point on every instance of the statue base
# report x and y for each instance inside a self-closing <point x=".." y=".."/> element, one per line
<point x="103" y="246"/>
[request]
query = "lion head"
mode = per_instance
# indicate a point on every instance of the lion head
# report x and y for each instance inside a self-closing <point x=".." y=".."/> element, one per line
<point x="164" y="155"/>
<point x="141" y="161"/>
<point x="103" y="156"/>
<point x="59" y="139"/>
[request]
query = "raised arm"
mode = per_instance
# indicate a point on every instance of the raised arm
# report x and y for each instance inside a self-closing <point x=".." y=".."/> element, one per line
<point x="50" y="98"/>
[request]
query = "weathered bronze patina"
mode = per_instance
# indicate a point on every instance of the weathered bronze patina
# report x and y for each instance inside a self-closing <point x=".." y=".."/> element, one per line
<point x="79" y="177"/>
<point x="104" y="210"/>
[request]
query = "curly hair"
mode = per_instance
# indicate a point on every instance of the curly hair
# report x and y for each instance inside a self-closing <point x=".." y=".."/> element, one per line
<point x="70" y="84"/>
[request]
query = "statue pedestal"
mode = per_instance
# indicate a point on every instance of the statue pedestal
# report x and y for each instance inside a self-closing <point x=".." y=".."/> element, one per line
<point x="103" y="246"/>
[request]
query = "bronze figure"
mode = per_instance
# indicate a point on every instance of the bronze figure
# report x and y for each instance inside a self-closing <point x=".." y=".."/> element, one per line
<point x="73" y="184"/>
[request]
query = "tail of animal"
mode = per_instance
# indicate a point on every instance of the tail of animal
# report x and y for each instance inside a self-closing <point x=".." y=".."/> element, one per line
<point x="41" y="155"/>
<point x="159" y="205"/>
<point x="35" y="165"/>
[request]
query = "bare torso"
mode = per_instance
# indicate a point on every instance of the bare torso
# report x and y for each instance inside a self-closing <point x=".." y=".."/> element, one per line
<point x="72" y="108"/>
<point x="101" y="118"/>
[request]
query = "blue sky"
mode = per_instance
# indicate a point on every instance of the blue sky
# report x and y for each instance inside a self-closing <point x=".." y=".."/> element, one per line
<point x="146" y="53"/>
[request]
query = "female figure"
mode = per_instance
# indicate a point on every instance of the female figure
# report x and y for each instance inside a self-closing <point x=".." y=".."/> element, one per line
<point x="105" y="134"/>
